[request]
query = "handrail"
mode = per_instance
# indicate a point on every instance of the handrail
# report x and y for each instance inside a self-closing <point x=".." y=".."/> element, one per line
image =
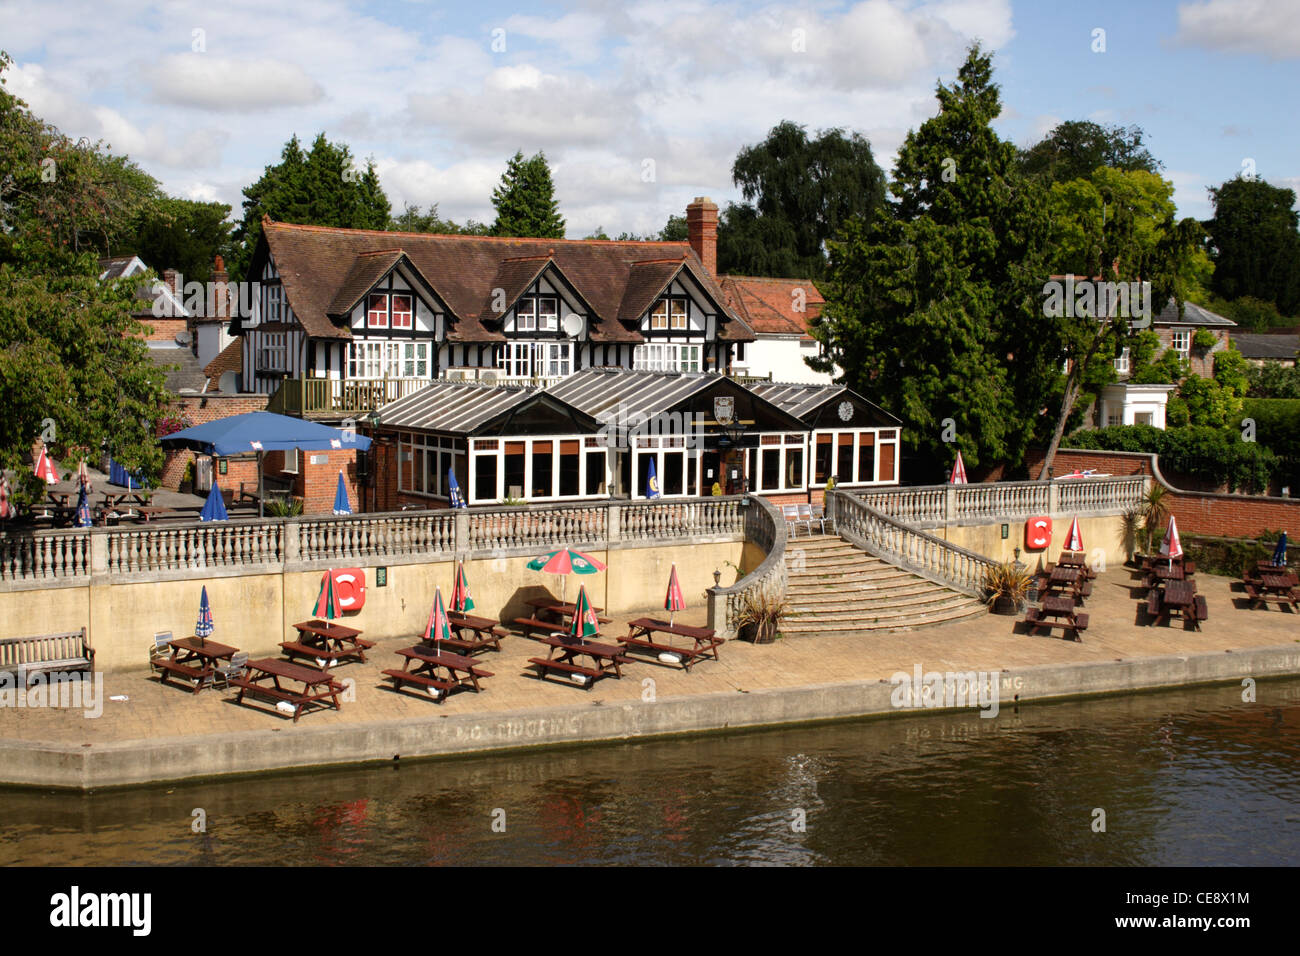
<point x="932" y="505"/>
<point x="763" y="526"/>
<point x="923" y="554"/>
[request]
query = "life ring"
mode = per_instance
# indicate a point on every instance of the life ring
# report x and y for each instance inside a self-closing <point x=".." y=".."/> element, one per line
<point x="350" y="588"/>
<point x="1038" y="533"/>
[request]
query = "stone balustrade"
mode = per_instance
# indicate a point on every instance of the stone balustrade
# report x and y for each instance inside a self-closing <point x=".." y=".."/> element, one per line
<point x="764" y="526"/>
<point x="932" y="506"/>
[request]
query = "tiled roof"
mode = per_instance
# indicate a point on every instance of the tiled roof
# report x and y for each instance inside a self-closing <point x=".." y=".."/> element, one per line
<point x="768" y="305"/>
<point x="116" y="267"/>
<point x="317" y="262"/>
<point x="1193" y="314"/>
<point x="187" y="376"/>
<point x="1266" y="346"/>
<point x="367" y="269"/>
<point x="230" y="359"/>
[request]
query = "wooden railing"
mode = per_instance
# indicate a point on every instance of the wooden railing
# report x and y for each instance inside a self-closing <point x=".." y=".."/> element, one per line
<point x="890" y="540"/>
<point x="333" y="396"/>
<point x="763" y="526"/>
<point x="302" y="543"/>
<point x="930" y="506"/>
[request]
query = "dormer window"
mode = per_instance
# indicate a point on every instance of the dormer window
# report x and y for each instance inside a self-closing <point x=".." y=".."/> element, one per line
<point x="377" y="311"/>
<point x="537" y="313"/>
<point x="401" y="314"/>
<point x="670" y="312"/>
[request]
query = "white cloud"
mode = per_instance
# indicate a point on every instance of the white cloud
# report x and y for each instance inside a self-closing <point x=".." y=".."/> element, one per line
<point x="218" y="83"/>
<point x="1262" y="27"/>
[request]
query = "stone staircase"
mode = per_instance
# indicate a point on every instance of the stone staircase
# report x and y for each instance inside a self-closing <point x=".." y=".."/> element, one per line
<point x="834" y="587"/>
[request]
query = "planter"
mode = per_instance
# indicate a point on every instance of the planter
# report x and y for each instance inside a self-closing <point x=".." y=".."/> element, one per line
<point x="757" y="633"/>
<point x="1004" y="605"/>
<point x="186" y="488"/>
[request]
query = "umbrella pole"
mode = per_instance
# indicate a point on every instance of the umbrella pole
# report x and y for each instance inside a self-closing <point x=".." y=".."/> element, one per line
<point x="261" y="505"/>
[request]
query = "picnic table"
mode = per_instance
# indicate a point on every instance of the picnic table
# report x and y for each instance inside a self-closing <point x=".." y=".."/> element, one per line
<point x="642" y="634"/>
<point x="561" y="610"/>
<point x="193" y="658"/>
<point x="327" y="643"/>
<point x="565" y="652"/>
<point x="317" y="685"/>
<point x="1076" y="559"/>
<point x="1160" y="574"/>
<point x="424" y="666"/>
<point x="1057" y="611"/>
<point x="1177" y="596"/>
<point x="485" y="633"/>
<point x="1277" y="585"/>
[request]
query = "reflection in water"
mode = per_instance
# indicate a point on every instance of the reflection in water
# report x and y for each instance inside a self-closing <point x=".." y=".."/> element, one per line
<point x="1184" y="777"/>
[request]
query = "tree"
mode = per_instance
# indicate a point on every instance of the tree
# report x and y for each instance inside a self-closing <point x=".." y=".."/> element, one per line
<point x="412" y="220"/>
<point x="525" y="200"/>
<point x="321" y="187"/>
<point x="798" y="192"/>
<point x="180" y="234"/>
<point x="675" y="230"/>
<point x="1254" y="243"/>
<point x="1077" y="147"/>
<point x="935" y="312"/>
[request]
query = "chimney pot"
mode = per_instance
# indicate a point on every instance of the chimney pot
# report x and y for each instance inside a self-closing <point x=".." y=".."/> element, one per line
<point x="702" y="231"/>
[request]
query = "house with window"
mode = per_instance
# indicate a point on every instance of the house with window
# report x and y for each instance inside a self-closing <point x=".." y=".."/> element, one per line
<point x="780" y="312"/>
<point x="347" y="321"/>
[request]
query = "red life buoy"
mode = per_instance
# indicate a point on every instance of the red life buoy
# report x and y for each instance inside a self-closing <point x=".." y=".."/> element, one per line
<point x="1038" y="533"/>
<point x="350" y="588"/>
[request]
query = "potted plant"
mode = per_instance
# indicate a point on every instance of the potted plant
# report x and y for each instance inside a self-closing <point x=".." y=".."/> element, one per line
<point x="760" y="614"/>
<point x="187" y="480"/>
<point x="1154" y="510"/>
<point x="1007" y="587"/>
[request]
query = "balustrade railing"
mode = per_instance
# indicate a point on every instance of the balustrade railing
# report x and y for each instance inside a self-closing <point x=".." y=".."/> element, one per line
<point x="764" y="526"/>
<point x="933" y="505"/>
<point x="890" y="540"/>
<point x="208" y="545"/>
<point x="44" y="555"/>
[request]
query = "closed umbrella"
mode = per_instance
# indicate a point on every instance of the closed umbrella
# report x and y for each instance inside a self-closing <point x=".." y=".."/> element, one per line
<point x="651" y="481"/>
<point x="674" y="601"/>
<point x="438" y="628"/>
<point x="83" y="477"/>
<point x="341" y="504"/>
<point x="584" y="623"/>
<point x="453" y="490"/>
<point x="1074" y="540"/>
<point x="45" y="469"/>
<point x="565" y="562"/>
<point x="1279" y="553"/>
<point x="214" y="509"/>
<point x="83" y="509"/>
<point x="461" y="602"/>
<point x="958" y="471"/>
<point x="327" y="605"/>
<point x="1171" y="546"/>
<point x="203" y="629"/>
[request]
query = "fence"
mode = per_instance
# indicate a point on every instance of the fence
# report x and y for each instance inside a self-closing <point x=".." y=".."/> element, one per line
<point x="931" y="506"/>
<point x="763" y="526"/>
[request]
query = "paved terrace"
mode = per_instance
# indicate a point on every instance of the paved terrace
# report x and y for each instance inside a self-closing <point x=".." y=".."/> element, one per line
<point x="990" y="643"/>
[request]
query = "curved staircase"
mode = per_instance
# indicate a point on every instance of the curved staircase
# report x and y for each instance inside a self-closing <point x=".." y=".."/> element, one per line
<point x="834" y="587"/>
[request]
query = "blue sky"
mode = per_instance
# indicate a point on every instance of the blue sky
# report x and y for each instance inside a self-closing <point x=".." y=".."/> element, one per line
<point x="639" y="106"/>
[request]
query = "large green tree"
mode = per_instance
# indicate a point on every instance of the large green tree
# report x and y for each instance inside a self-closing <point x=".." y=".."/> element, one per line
<point x="320" y="187"/>
<point x="934" y="312"/>
<point x="412" y="219"/>
<point x="525" y="200"/>
<point x="1077" y="147"/>
<point x="1254" y="243"/>
<point x="798" y="192"/>
<point x="180" y="234"/>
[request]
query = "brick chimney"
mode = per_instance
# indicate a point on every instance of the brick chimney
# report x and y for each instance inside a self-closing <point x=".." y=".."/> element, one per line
<point x="169" y="279"/>
<point x="219" y="307"/>
<point x="702" y="230"/>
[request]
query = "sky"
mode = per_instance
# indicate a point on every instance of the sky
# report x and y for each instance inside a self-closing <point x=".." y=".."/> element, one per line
<point x="640" y="106"/>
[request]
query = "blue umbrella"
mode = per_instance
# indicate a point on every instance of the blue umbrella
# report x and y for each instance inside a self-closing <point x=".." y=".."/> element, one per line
<point x="652" y="481"/>
<point x="341" y="506"/>
<point x="214" y="509"/>
<point x="83" y="509"/>
<point x="453" y="490"/>
<point x="204" y="627"/>
<point x="1279" y="553"/>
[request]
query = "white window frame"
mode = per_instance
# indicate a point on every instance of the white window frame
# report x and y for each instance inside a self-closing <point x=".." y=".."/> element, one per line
<point x="1123" y="364"/>
<point x="381" y="358"/>
<point x="291" y="461"/>
<point x="409" y="312"/>
<point x="1184" y="336"/>
<point x="370" y="310"/>
<point x="274" y="301"/>
<point x="668" y="357"/>
<point x="532" y="359"/>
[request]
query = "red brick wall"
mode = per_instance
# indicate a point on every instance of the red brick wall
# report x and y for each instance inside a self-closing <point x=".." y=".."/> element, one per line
<point x="1118" y="463"/>
<point x="208" y="408"/>
<point x="164" y="330"/>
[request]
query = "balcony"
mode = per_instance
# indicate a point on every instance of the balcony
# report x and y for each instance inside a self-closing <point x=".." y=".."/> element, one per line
<point x="496" y="376"/>
<point x="340" y="398"/>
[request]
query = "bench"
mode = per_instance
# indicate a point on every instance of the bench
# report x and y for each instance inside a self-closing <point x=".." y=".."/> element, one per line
<point x="295" y="649"/>
<point x="1200" y="611"/>
<point x="688" y="655"/>
<point x="1035" y="619"/>
<point x="529" y="624"/>
<point x="1153" y="602"/>
<point x="189" y="671"/>
<point x="68" y="651"/>
<point x="543" y="665"/>
<point x="421" y="680"/>
<point x="299" y="701"/>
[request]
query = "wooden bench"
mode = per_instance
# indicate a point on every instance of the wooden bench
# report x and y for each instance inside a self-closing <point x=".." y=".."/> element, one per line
<point x="296" y="649"/>
<point x="299" y="701"/>
<point x="1035" y="619"/>
<point x="1200" y="611"/>
<point x="189" y="671"/>
<point x="420" y="680"/>
<point x="529" y="624"/>
<point x="68" y="651"/>
<point x="543" y="665"/>
<point x="688" y="655"/>
<point x="1153" y="602"/>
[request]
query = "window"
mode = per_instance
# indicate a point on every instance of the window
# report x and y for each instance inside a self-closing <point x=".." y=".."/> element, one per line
<point x="401" y="312"/>
<point x="1114" y="418"/>
<point x="742" y="351"/>
<point x="274" y="297"/>
<point x="548" y="317"/>
<point x="535" y="359"/>
<point x="415" y="360"/>
<point x="866" y="456"/>
<point x="677" y="313"/>
<point x="388" y="360"/>
<point x="537" y="313"/>
<point x="1142" y="418"/>
<point x="526" y="315"/>
<point x="272" y="351"/>
<point x="377" y="311"/>
<point x="1181" y="341"/>
<point x="659" y="315"/>
<point x="667" y="357"/>
<point x="291" y="461"/>
<point x="672" y="311"/>
<point x="1123" y="363"/>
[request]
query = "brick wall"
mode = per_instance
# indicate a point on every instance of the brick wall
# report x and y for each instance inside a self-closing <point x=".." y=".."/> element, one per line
<point x="164" y="329"/>
<point x="208" y="408"/>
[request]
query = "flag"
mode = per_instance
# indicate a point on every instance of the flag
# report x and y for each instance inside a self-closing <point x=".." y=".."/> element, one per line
<point x="651" y="481"/>
<point x="958" y="472"/>
<point x="453" y="490"/>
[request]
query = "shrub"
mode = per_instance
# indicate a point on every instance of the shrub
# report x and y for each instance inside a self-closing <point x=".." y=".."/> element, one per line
<point x="1204" y="339"/>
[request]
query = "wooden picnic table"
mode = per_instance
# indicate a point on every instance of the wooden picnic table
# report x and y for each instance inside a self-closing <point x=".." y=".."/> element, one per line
<point x="1057" y="611"/>
<point x="486" y="632"/>
<point x="562" y="610"/>
<point x="564" y="653"/>
<point x="1163" y="573"/>
<point x="193" y="658"/>
<point x="317" y="685"/>
<point x="423" y="667"/>
<point x="1278" y="586"/>
<point x="641" y="634"/>
<point x="327" y="643"/>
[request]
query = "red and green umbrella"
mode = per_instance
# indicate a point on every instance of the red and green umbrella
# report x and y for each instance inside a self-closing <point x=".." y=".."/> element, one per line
<point x="438" y="628"/>
<point x="565" y="562"/>
<point x="327" y="603"/>
<point x="674" y="600"/>
<point x="461" y="602"/>
<point x="584" y="624"/>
